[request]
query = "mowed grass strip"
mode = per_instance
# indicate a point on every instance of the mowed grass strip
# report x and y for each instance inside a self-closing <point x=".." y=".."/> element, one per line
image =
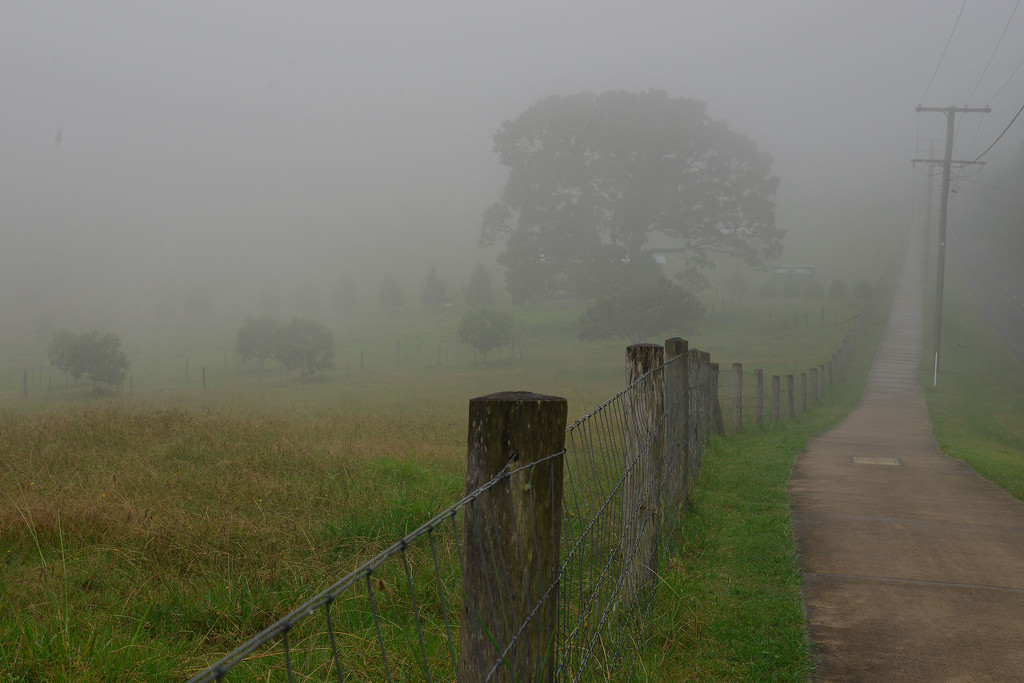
<point x="977" y="407"/>
<point x="728" y="606"/>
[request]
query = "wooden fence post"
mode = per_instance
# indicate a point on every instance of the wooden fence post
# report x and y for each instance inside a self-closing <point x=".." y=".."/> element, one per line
<point x="694" y="405"/>
<point x="821" y="382"/>
<point x="516" y="529"/>
<point x="677" y="400"/>
<point x="790" y="398"/>
<point x="803" y="392"/>
<point x="759" y="398"/>
<point x="775" y="398"/>
<point x="737" y="397"/>
<point x="641" y="484"/>
<point x="812" y="381"/>
<point x="714" y="403"/>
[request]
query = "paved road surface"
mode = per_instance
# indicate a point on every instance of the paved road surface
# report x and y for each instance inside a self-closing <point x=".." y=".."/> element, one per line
<point x="913" y="564"/>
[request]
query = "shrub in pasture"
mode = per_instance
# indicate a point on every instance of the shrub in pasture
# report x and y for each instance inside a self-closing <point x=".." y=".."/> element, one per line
<point x="641" y="311"/>
<point x="485" y="329"/>
<point x="90" y="353"/>
<point x="305" y="345"/>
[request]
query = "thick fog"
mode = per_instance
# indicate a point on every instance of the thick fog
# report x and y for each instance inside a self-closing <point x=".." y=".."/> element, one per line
<point x="149" y="148"/>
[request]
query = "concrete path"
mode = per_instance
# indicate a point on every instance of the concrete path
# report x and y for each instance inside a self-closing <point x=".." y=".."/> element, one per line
<point x="912" y="563"/>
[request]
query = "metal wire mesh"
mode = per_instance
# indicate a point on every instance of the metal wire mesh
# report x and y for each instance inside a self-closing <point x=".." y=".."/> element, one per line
<point x="628" y="468"/>
<point x="627" y="474"/>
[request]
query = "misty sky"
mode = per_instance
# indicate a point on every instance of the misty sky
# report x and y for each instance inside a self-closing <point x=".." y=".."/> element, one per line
<point x="156" y="143"/>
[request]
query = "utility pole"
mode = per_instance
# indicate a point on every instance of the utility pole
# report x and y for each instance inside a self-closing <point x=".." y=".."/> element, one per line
<point x="947" y="164"/>
<point x="928" y="217"/>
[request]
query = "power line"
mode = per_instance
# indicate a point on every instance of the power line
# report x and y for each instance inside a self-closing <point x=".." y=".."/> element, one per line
<point x="1001" y="134"/>
<point x="994" y="187"/>
<point x="1003" y="86"/>
<point x="994" y="51"/>
<point x="943" y="55"/>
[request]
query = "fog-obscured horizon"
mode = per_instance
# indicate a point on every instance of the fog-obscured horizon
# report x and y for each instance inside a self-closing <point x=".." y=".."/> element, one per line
<point x="150" y="150"/>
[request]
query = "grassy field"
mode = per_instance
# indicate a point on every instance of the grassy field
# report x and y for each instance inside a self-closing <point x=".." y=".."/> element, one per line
<point x="977" y="407"/>
<point x="147" y="532"/>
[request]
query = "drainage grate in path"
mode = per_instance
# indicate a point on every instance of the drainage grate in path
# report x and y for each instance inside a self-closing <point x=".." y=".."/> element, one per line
<point x="876" y="460"/>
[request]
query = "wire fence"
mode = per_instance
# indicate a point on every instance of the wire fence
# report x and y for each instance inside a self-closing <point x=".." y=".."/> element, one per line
<point x="546" y="568"/>
<point x="752" y="399"/>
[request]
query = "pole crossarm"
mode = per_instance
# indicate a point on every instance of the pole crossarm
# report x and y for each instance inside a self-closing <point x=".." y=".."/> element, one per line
<point x="957" y="110"/>
<point x="952" y="161"/>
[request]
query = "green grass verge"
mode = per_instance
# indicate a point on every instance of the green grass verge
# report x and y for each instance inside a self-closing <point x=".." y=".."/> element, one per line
<point x="729" y="606"/>
<point x="977" y="407"/>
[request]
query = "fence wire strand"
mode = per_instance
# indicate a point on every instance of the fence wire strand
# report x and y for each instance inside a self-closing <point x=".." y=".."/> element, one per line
<point x="625" y="476"/>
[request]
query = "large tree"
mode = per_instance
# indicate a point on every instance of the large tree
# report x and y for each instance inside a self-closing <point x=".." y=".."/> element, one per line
<point x="600" y="184"/>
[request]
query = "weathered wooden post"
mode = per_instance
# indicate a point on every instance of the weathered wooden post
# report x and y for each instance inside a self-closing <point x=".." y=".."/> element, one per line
<point x="511" y="537"/>
<point x="715" y="403"/>
<point x="693" y="395"/>
<point x="803" y="392"/>
<point x="677" y="402"/>
<point x="812" y="380"/>
<point x="775" y="398"/>
<point x="737" y="397"/>
<point x="759" y="398"/>
<point x="641" y="484"/>
<point x="821" y="382"/>
<point x="828" y="375"/>
<point x="789" y="397"/>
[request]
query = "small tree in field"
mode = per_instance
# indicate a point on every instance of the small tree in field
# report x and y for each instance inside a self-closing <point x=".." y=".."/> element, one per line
<point x="306" y="345"/>
<point x="257" y="338"/>
<point x="435" y="290"/>
<point x="480" y="291"/>
<point x="90" y="353"/>
<point x="485" y="329"/>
